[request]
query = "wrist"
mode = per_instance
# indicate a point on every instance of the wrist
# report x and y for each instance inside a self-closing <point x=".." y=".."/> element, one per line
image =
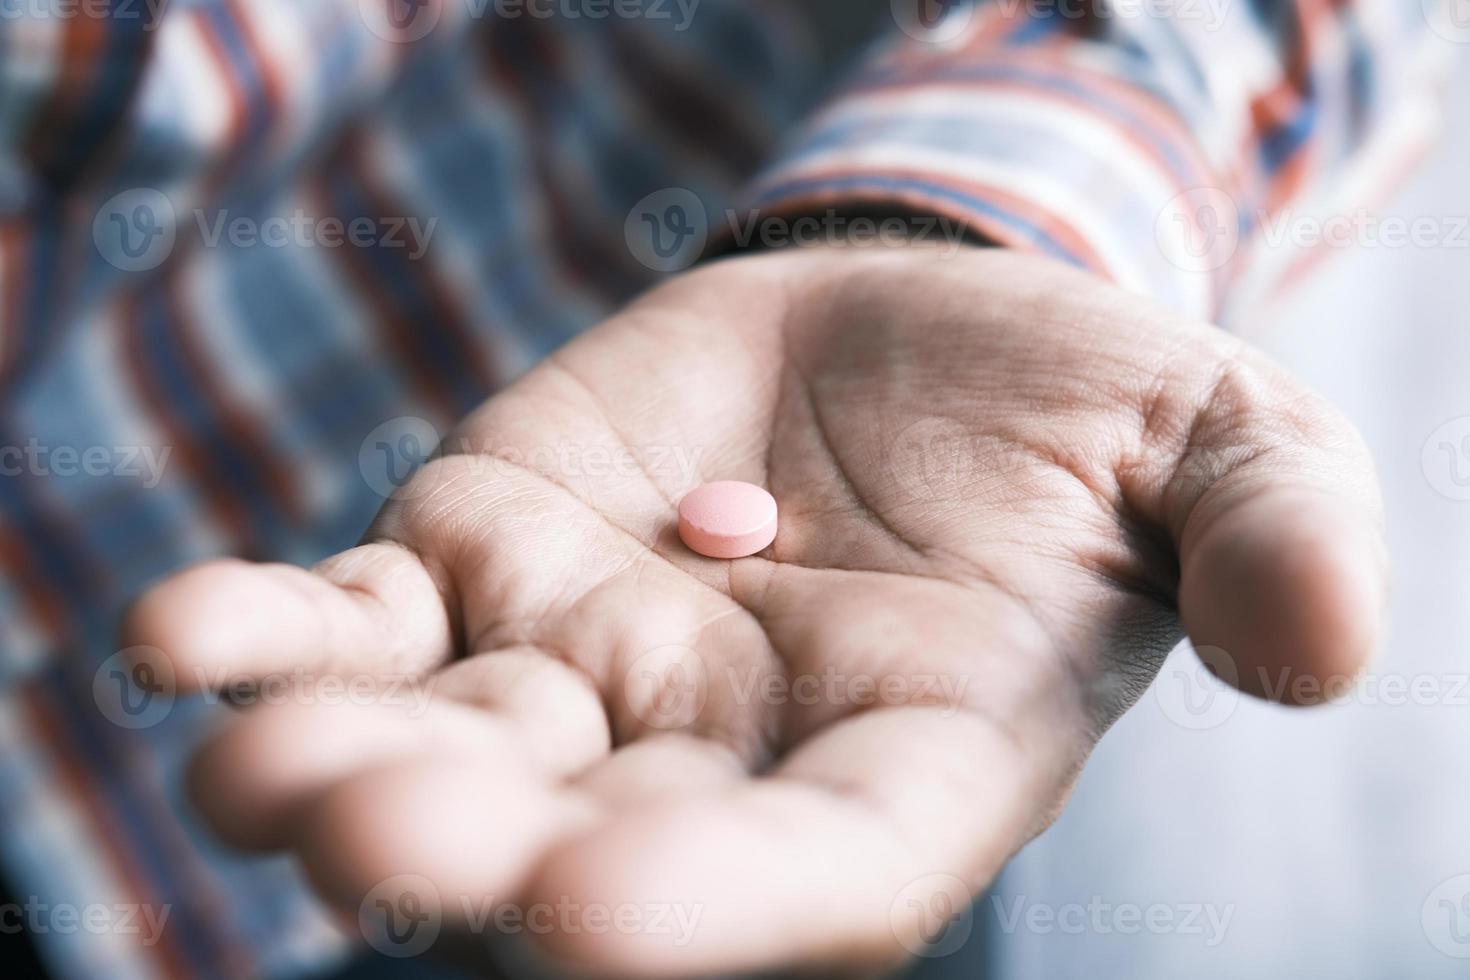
<point x="859" y="227"/>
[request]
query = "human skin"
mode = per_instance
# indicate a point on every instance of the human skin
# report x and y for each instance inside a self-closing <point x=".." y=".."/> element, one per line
<point x="1005" y="487"/>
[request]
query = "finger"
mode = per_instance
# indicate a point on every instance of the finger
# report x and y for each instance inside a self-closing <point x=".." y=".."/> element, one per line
<point x="252" y="779"/>
<point x="519" y="709"/>
<point x="556" y="709"/>
<point x="370" y="611"/>
<point x="831" y="862"/>
<point x="471" y="829"/>
<point x="1276" y="514"/>
<point x="659" y="768"/>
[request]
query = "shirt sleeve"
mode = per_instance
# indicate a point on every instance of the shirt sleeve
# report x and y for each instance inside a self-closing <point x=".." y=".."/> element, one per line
<point x="1148" y="140"/>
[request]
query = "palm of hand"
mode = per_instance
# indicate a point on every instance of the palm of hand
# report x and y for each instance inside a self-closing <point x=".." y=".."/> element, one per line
<point x="986" y="468"/>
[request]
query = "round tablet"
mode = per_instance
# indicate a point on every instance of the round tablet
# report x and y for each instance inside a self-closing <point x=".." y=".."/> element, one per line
<point x="727" y="519"/>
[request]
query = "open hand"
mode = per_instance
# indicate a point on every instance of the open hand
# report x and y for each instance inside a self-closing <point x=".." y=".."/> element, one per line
<point x="1003" y="486"/>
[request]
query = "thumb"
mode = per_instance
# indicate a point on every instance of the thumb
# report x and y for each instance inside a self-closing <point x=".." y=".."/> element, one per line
<point x="1276" y="513"/>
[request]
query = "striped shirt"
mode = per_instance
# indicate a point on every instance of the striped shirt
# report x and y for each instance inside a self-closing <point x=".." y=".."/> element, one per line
<point x="253" y="251"/>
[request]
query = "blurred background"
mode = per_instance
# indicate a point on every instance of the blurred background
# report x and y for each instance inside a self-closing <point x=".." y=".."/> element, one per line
<point x="1212" y="836"/>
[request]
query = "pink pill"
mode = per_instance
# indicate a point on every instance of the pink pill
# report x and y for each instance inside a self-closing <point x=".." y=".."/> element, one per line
<point x="727" y="519"/>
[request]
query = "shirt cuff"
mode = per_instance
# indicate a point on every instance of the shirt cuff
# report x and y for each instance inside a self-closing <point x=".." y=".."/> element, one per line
<point x="1034" y="151"/>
